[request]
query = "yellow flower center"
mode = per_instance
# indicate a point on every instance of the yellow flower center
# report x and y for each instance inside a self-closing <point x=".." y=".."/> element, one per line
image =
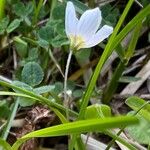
<point x="77" y="42"/>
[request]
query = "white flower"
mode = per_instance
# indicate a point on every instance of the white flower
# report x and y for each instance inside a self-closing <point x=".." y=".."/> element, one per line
<point x="83" y="32"/>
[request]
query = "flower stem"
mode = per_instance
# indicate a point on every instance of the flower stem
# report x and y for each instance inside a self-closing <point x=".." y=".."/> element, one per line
<point x="66" y="100"/>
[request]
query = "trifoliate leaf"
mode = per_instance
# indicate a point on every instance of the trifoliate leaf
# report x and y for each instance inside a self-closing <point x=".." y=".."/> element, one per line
<point x="22" y="10"/>
<point x="32" y="74"/>
<point x="58" y="12"/>
<point x="46" y="33"/>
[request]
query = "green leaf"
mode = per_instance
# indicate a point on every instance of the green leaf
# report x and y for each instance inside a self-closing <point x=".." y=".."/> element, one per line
<point x="58" y="87"/>
<point x="144" y="2"/>
<point x="77" y="93"/>
<point x="39" y="98"/>
<point x="46" y="33"/>
<point x="128" y="79"/>
<point x="4" y="144"/>
<point x="53" y="23"/>
<point x="121" y="52"/>
<point x="3" y="24"/>
<point x="59" y="12"/>
<point x="83" y="55"/>
<point x="136" y="103"/>
<point x="21" y="10"/>
<point x="97" y="111"/>
<point x="43" y="43"/>
<point x="44" y="89"/>
<point x="32" y="74"/>
<point x="13" y="25"/>
<point x="110" y="14"/>
<point x="23" y="101"/>
<point x="4" y="109"/>
<point x="21" y="46"/>
<point x="59" y="40"/>
<point x="140" y="132"/>
<point x="33" y="55"/>
<point x="60" y="28"/>
<point x="90" y="125"/>
<point x="113" y="42"/>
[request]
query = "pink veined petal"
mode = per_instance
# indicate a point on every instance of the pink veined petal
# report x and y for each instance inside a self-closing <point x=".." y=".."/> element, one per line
<point x="71" y="20"/>
<point x="89" y="23"/>
<point x="102" y="34"/>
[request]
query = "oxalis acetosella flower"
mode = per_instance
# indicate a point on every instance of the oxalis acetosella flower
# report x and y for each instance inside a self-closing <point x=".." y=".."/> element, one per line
<point x="85" y="32"/>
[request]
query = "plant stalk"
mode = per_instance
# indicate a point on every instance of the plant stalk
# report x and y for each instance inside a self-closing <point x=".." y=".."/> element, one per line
<point x="66" y="99"/>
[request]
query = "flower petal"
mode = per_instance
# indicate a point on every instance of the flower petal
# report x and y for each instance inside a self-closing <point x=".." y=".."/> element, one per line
<point x="89" y="23"/>
<point x="102" y="34"/>
<point x="71" y="20"/>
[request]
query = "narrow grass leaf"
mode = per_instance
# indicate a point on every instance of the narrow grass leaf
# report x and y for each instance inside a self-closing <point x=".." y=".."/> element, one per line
<point x="91" y="125"/>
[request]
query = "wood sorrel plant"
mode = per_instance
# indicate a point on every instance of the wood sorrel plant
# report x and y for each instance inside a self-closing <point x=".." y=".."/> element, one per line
<point x="83" y="33"/>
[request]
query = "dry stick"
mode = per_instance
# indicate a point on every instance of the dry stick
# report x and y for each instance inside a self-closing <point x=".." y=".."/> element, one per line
<point x="66" y="100"/>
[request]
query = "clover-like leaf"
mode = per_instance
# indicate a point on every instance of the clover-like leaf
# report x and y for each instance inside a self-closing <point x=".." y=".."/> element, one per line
<point x="32" y="74"/>
<point x="97" y="111"/>
<point x="22" y="100"/>
<point x="3" y="24"/>
<point x="13" y="25"/>
<point x="46" y="33"/>
<point x="136" y="131"/>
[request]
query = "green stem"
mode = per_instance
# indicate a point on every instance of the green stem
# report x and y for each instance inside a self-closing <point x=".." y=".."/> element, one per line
<point x="121" y="140"/>
<point x="101" y="62"/>
<point x="107" y="52"/>
<point x="41" y="98"/>
<point x="53" y="4"/>
<point x="11" y="118"/>
<point x="112" y="86"/>
<point x="121" y="130"/>
<point x="66" y="99"/>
